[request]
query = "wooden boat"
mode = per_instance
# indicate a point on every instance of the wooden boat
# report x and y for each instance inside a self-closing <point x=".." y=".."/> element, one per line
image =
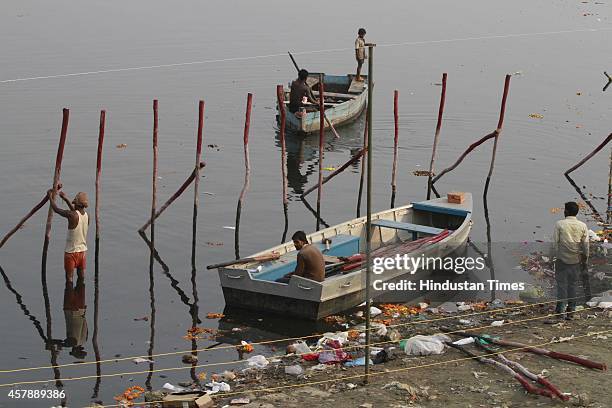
<point x="345" y="99"/>
<point x="253" y="286"/>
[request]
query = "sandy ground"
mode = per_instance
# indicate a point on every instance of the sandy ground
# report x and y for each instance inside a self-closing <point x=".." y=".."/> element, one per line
<point x="465" y="383"/>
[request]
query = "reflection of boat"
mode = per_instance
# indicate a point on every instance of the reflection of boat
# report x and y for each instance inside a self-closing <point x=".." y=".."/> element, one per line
<point x="345" y="99"/>
<point x="441" y="227"/>
<point x="303" y="153"/>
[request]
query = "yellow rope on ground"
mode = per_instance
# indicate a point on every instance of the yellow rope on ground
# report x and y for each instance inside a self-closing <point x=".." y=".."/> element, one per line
<point x="242" y="361"/>
<point x="284" y="387"/>
<point x="172" y="353"/>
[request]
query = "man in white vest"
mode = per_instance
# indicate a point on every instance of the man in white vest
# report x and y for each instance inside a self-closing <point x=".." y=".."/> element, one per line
<point x="76" y="240"/>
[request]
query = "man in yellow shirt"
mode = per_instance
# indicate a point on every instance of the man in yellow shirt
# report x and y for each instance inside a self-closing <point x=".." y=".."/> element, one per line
<point x="570" y="254"/>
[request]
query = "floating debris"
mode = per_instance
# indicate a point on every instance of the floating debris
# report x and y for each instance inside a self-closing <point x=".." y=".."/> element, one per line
<point x="536" y="116"/>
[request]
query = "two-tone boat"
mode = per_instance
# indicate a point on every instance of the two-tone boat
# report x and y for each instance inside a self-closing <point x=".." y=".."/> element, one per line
<point x="344" y="100"/>
<point x="440" y="226"/>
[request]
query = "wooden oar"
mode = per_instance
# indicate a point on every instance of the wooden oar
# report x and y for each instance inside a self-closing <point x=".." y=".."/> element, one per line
<point x="321" y="96"/>
<point x="260" y="258"/>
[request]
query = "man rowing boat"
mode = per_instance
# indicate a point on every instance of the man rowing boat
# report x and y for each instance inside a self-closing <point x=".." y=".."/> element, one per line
<point x="300" y="93"/>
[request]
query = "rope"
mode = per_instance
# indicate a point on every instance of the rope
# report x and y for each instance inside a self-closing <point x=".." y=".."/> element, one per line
<point x="283" y="387"/>
<point x="254" y="57"/>
<point x="287" y="339"/>
<point x="241" y="361"/>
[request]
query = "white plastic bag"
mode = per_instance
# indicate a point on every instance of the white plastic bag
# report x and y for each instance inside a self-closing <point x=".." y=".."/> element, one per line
<point x="425" y="345"/>
<point x="294" y="370"/>
<point x="257" y="361"/>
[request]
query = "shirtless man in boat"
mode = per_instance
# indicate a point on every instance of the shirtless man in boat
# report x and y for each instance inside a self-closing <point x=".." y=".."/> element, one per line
<point x="76" y="241"/>
<point x="300" y="92"/>
<point x="310" y="262"/>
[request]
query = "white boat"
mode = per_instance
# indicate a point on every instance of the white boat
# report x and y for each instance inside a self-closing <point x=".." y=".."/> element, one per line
<point x="253" y="285"/>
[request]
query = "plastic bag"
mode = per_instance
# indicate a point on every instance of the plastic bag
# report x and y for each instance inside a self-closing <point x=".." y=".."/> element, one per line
<point x="424" y="345"/>
<point x="257" y="361"/>
<point x="294" y="370"/>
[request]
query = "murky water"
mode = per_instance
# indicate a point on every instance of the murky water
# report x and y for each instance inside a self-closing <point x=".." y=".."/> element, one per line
<point x="560" y="78"/>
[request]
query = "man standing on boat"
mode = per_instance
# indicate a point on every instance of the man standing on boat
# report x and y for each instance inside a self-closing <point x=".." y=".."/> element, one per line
<point x="570" y="254"/>
<point x="76" y="240"/>
<point x="360" y="52"/>
<point x="310" y="262"/>
<point x="300" y="93"/>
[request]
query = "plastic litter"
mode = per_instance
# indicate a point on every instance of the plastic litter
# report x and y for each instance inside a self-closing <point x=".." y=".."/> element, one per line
<point x="356" y="363"/>
<point x="300" y="347"/>
<point x="420" y="345"/>
<point x="341" y="337"/>
<point x="463" y="342"/>
<point x="173" y="388"/>
<point x="139" y="360"/>
<point x="217" y="387"/>
<point x="374" y="311"/>
<point x="257" y="361"/>
<point x="294" y="370"/>
<point x="497" y="323"/>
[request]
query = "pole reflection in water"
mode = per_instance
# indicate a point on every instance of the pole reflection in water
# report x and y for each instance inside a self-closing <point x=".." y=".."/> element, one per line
<point x="489" y="257"/>
<point x="96" y="347"/>
<point x="151" y="319"/>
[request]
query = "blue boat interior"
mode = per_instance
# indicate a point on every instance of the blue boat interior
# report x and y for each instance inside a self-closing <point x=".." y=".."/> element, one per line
<point x="341" y="245"/>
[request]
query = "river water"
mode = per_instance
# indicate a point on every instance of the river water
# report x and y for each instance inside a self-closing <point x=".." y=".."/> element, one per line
<point x="558" y="58"/>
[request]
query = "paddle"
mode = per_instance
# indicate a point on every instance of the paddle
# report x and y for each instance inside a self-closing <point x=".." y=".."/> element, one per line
<point x="297" y="68"/>
<point x="260" y="258"/>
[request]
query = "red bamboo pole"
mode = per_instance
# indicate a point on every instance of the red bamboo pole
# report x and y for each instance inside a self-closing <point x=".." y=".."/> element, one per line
<point x="99" y="169"/>
<point x="593" y="153"/>
<point x="280" y="96"/>
<point x="192" y="177"/>
<point x="395" y="146"/>
<point x="154" y="186"/>
<point x="196" y="183"/>
<point x="20" y="224"/>
<point x="336" y="172"/>
<point x="247" y="173"/>
<point x="465" y="153"/>
<point x="500" y="124"/>
<point x="321" y="135"/>
<point x="56" y="179"/>
<point x="436" y="136"/>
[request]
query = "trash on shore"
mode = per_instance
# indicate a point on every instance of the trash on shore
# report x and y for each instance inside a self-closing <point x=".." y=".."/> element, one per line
<point x="420" y="345"/>
<point x="257" y="361"/>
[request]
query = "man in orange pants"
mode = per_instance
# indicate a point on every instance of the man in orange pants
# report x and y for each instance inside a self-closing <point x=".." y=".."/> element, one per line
<point x="76" y="240"/>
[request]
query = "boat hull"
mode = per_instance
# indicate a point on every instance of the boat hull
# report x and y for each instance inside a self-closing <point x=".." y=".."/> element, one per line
<point x="254" y="286"/>
<point x="339" y="114"/>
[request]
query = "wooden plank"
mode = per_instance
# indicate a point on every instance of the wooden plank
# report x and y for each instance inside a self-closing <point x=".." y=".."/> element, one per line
<point x="406" y="226"/>
<point x="356" y="87"/>
<point x="336" y="95"/>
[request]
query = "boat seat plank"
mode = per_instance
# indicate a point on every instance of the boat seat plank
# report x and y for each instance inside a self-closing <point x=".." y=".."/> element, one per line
<point x="336" y="95"/>
<point x="406" y="226"/>
<point x="440" y="209"/>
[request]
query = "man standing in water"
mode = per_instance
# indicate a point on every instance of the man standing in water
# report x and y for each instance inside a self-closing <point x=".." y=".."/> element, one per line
<point x="360" y="52"/>
<point x="570" y="254"/>
<point x="310" y="262"/>
<point x="76" y="240"/>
